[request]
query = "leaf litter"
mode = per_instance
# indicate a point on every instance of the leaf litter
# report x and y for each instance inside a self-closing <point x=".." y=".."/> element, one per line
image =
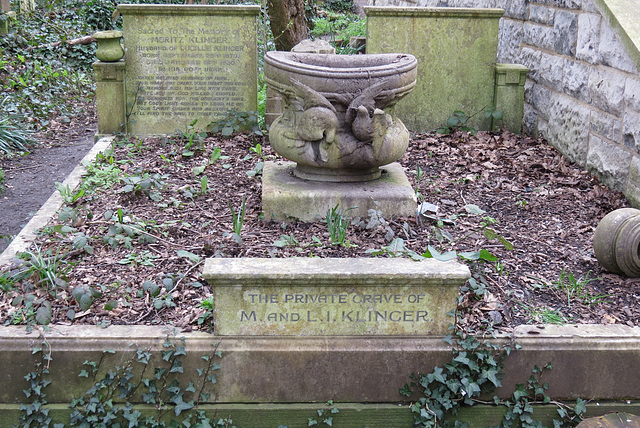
<point x="509" y="205"/>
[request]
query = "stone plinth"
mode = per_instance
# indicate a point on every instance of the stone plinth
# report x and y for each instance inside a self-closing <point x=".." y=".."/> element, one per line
<point x="186" y="63"/>
<point x="333" y="297"/>
<point x="509" y="96"/>
<point x="456" y="51"/>
<point x="110" y="103"/>
<point x="285" y="196"/>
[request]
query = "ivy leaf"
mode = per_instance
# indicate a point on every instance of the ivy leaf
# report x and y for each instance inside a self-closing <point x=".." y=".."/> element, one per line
<point x="474" y="209"/>
<point x="478" y="255"/>
<point x="43" y="314"/>
<point x="193" y="258"/>
<point x="84" y="295"/>
<point x="492" y="376"/>
<point x="581" y="407"/>
<point x="111" y="305"/>
<point x="443" y="257"/>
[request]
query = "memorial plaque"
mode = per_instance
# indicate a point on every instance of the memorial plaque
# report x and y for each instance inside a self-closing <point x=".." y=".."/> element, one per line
<point x="313" y="296"/>
<point x="187" y="62"/>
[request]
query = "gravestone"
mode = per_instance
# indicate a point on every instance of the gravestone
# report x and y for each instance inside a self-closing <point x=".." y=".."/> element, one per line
<point x="186" y="63"/>
<point x="333" y="297"/>
<point x="456" y="49"/>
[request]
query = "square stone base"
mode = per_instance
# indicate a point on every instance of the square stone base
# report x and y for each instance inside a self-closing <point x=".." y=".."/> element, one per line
<point x="285" y="196"/>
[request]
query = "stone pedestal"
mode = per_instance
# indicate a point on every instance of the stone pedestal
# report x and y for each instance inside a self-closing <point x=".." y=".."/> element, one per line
<point x="110" y="102"/>
<point x="509" y="96"/>
<point x="285" y="196"/>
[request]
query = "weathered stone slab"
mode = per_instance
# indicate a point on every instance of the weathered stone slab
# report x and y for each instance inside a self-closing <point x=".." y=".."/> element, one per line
<point x="314" y="297"/>
<point x="455" y="48"/>
<point x="186" y="63"/>
<point x="285" y="196"/>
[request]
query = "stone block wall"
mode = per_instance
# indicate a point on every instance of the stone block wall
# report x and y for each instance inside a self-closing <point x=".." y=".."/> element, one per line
<point x="583" y="91"/>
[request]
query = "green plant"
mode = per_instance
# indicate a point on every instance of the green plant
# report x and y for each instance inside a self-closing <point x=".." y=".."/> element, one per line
<point x="492" y="113"/>
<point x="13" y="138"/>
<point x="338" y="224"/>
<point x="324" y="416"/>
<point x="157" y="381"/>
<point x="340" y="28"/>
<point x="207" y="315"/>
<point x="1" y="181"/>
<point x="576" y="288"/>
<point x="286" y="241"/>
<point x="257" y="149"/>
<point x="144" y="183"/>
<point x="456" y="122"/>
<point x="100" y="177"/>
<point x="339" y="5"/>
<point x="154" y="291"/>
<point x="195" y="139"/>
<point x="543" y="315"/>
<point x="521" y="203"/>
<point x="48" y="268"/>
<point x="485" y="224"/>
<point x="125" y="229"/>
<point x="36" y="413"/>
<point x="237" y="220"/>
<point x="520" y="407"/>
<point x="234" y="122"/>
<point x="68" y="194"/>
<point x="204" y="185"/>
<point x="144" y="258"/>
<point x="475" y="369"/>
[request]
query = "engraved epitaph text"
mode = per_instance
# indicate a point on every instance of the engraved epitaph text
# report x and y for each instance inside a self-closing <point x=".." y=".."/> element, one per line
<point x="192" y="63"/>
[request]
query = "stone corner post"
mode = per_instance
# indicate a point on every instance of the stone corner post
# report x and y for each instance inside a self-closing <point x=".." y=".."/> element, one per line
<point x="509" y="96"/>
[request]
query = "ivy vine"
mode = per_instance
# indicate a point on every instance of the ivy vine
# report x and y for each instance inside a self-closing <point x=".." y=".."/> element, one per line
<point x="474" y="371"/>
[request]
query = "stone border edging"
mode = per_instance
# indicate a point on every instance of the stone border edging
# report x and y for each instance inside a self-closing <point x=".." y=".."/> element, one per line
<point x="27" y="235"/>
<point x="595" y="362"/>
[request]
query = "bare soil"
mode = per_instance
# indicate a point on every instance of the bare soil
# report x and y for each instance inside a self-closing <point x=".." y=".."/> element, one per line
<point x="148" y="236"/>
<point x="30" y="178"/>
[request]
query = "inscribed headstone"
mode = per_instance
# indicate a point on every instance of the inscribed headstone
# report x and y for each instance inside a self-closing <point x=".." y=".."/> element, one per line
<point x="188" y="62"/>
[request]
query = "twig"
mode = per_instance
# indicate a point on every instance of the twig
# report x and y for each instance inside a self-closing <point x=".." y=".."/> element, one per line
<point x="188" y="272"/>
<point x="85" y="40"/>
<point x="24" y="167"/>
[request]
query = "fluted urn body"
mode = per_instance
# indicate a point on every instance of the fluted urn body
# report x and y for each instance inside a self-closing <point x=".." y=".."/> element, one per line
<point x="338" y="122"/>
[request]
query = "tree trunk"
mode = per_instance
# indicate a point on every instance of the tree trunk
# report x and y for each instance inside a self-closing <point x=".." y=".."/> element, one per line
<point x="288" y="23"/>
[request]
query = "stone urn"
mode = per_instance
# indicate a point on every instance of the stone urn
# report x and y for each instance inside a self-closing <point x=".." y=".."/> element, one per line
<point x="338" y="122"/>
<point x="109" y="47"/>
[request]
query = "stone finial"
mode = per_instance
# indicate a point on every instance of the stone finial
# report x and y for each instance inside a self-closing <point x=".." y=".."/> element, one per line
<point x="616" y="242"/>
